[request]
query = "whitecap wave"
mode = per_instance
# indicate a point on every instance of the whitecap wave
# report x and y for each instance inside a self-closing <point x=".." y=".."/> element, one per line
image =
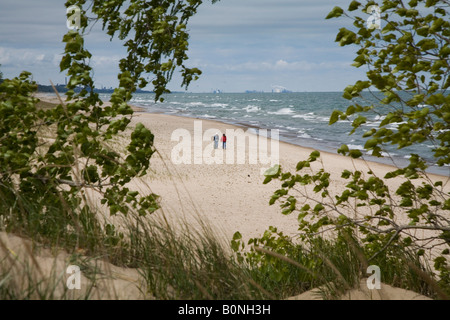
<point x="220" y="105"/>
<point x="304" y="135"/>
<point x="251" y="108"/>
<point x="282" y="111"/>
<point x="196" y="104"/>
<point x="311" y="116"/>
<point x="355" y="146"/>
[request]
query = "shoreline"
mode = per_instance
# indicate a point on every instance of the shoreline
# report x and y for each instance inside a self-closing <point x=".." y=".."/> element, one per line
<point x="247" y="127"/>
<point x="392" y="161"/>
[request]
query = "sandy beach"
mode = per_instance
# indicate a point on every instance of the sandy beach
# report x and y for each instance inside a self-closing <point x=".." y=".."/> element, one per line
<point x="232" y="196"/>
<point x="206" y="186"/>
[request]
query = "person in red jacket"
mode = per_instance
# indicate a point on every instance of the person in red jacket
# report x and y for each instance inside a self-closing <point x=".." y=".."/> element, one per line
<point x="224" y="141"/>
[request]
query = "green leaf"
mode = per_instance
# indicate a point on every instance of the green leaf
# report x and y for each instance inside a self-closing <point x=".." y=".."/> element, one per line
<point x="354" y="5"/>
<point x="237" y="236"/>
<point x="354" y="153"/>
<point x="272" y="171"/>
<point x="371" y="143"/>
<point x="302" y="164"/>
<point x="336" y="12"/>
<point x="431" y="3"/>
<point x="335" y="116"/>
<point x="343" y="149"/>
<point x="319" y="207"/>
<point x="315" y="154"/>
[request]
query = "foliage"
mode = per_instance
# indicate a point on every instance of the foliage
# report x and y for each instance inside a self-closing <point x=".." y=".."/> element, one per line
<point x="187" y="262"/>
<point x="52" y="160"/>
<point x="287" y="268"/>
<point x="407" y="61"/>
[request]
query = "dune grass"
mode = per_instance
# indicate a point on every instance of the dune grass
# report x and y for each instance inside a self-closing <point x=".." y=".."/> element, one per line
<point x="333" y="265"/>
<point x="174" y="262"/>
<point x="177" y="260"/>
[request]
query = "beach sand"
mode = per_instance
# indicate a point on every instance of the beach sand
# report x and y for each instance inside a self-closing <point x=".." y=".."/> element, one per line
<point x="231" y="196"/>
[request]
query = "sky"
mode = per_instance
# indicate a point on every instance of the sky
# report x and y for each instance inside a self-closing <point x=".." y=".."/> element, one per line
<point x="238" y="44"/>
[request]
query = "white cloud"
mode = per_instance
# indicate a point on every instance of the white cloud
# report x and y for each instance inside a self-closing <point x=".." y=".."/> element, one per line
<point x="24" y="57"/>
<point x="283" y="65"/>
<point x="106" y="61"/>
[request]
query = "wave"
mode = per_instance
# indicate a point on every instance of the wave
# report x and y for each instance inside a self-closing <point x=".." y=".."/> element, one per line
<point x="220" y="105"/>
<point x="311" y="116"/>
<point x="384" y="154"/>
<point x="372" y="124"/>
<point x="395" y="125"/>
<point x="196" y="104"/>
<point x="282" y="111"/>
<point x="304" y="135"/>
<point x="355" y="146"/>
<point x="252" y="108"/>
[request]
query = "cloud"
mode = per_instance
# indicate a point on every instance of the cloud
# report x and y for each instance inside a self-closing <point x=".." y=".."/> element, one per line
<point x="281" y="66"/>
<point x="28" y="57"/>
<point x="106" y="61"/>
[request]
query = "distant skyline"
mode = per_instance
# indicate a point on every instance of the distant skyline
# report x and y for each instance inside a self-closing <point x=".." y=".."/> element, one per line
<point x="239" y="45"/>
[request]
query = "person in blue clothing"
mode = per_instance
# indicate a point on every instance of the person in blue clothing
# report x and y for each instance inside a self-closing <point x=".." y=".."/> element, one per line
<point x="216" y="140"/>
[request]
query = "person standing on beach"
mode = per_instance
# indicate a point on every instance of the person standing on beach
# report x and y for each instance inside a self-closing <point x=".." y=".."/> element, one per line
<point x="224" y="141"/>
<point x="216" y="141"/>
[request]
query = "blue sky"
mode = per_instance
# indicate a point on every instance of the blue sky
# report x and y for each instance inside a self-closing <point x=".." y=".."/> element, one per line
<point x="238" y="44"/>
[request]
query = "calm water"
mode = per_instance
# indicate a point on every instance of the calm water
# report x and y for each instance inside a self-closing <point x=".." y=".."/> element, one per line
<point x="301" y="118"/>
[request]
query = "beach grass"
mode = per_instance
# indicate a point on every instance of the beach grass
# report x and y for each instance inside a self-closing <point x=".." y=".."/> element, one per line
<point x="177" y="260"/>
